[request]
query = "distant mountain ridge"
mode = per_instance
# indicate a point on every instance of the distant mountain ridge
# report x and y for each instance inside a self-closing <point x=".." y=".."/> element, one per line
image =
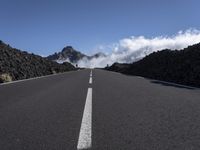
<point x="16" y="64"/>
<point x="69" y="54"/>
<point x="178" y="66"/>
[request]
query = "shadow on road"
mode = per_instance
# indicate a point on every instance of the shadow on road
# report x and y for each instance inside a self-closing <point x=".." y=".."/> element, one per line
<point x="172" y="84"/>
<point x="163" y="83"/>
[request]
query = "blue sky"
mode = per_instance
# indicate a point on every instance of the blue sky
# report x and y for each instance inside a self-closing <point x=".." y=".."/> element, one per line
<point x="46" y="26"/>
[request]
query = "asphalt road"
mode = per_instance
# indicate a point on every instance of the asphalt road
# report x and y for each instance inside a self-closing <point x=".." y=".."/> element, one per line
<point x="111" y="111"/>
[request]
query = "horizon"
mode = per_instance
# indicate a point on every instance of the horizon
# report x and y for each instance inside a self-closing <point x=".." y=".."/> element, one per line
<point x="132" y="49"/>
<point x="187" y="45"/>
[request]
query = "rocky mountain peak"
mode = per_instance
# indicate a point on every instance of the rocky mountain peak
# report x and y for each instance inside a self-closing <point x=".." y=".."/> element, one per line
<point x="68" y="49"/>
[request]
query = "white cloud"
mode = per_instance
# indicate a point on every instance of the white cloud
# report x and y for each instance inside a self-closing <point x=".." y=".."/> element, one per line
<point x="134" y="48"/>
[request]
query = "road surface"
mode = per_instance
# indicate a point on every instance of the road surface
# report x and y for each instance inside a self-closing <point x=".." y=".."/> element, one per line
<point x="98" y="110"/>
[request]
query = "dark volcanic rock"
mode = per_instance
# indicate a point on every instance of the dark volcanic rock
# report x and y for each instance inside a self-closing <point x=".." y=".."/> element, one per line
<point x="174" y="66"/>
<point x="22" y="65"/>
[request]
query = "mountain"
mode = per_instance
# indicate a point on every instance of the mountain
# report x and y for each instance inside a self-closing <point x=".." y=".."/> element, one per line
<point x="178" y="66"/>
<point x="69" y="54"/>
<point x="16" y="64"/>
<point x="97" y="55"/>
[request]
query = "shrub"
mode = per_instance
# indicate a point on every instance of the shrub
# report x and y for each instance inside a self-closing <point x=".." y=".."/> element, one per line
<point x="5" y="77"/>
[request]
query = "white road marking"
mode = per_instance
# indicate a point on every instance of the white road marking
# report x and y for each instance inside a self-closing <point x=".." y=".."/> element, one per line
<point x="85" y="135"/>
<point x="91" y="73"/>
<point x="90" y="81"/>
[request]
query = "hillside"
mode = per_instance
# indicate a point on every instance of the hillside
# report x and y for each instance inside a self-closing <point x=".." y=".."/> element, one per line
<point x="16" y="64"/>
<point x="181" y="67"/>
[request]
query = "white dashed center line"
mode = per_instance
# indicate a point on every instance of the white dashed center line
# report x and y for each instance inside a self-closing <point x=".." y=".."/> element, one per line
<point x="90" y="81"/>
<point x="85" y="135"/>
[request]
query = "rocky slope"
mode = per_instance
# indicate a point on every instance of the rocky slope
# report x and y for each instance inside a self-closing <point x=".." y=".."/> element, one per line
<point x="16" y="64"/>
<point x="181" y="67"/>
